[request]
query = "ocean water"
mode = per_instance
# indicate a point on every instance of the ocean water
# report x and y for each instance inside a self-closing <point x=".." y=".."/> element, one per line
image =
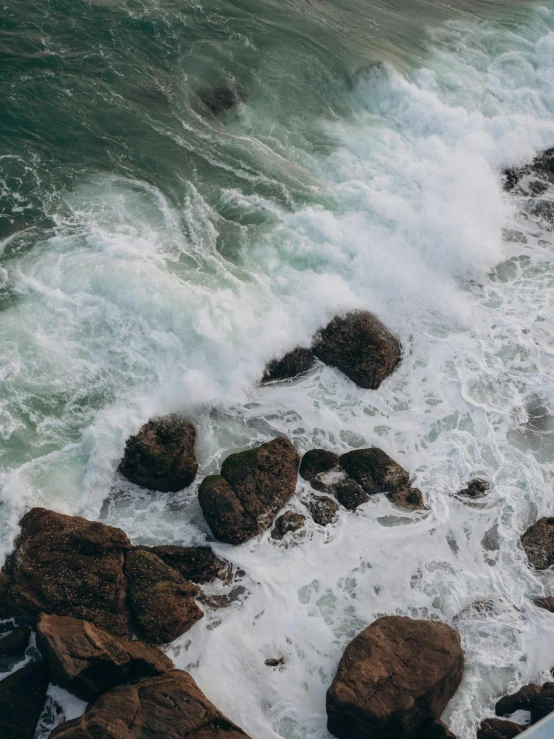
<point x="154" y="258"/>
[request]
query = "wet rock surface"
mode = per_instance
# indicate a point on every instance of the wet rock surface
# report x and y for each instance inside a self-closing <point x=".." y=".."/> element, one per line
<point x="546" y="603"/>
<point x="349" y="494"/>
<point x="289" y="522"/>
<point x="538" y="542"/>
<point x="15" y="642"/>
<point x="495" y="728"/>
<point x="22" y="697"/>
<point x="394" y="679"/>
<point x="161" y="456"/>
<point x="295" y="363"/>
<point x="197" y="564"/>
<point x="318" y="462"/>
<point x="87" y="661"/>
<point x="407" y="499"/>
<point x="323" y="509"/>
<point x="475" y="489"/>
<point x="374" y="470"/>
<point x="521" y="700"/>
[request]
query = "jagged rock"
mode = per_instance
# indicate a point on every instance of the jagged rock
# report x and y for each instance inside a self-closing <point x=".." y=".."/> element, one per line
<point x="350" y="494"/>
<point x="253" y="486"/>
<point x="374" y="470"/>
<point x="546" y="603"/>
<point x="495" y="728"/>
<point x="542" y="705"/>
<point x="88" y="661"/>
<point x="170" y="706"/>
<point x="197" y="564"/>
<point x="315" y="464"/>
<point x="219" y="99"/>
<point x="16" y="642"/>
<point x="323" y="509"/>
<point x="360" y="346"/>
<point x="289" y="522"/>
<point x="475" y="489"/>
<point x="541" y="167"/>
<point x="22" y="697"/>
<point x="295" y="363"/>
<point x="521" y="700"/>
<point x="394" y="679"/>
<point x="538" y="542"/>
<point x="69" y="566"/>
<point x="161" y="456"/>
<point x="162" y="603"/>
<point x="438" y="730"/>
<point x="408" y="499"/>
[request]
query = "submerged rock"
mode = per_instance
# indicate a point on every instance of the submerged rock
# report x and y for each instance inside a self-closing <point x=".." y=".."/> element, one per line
<point x="220" y="99"/>
<point x="519" y="701"/>
<point x="475" y="489"/>
<point x="88" y="661"/>
<point x="323" y="509"/>
<point x="394" y="679"/>
<point x="162" y="603"/>
<point x="161" y="456"/>
<point x="197" y="564"/>
<point x="69" y="566"/>
<point x="495" y="728"/>
<point x="350" y="494"/>
<point x="289" y="522"/>
<point x="295" y="363"/>
<point x="252" y="488"/>
<point x="374" y="471"/>
<point x="16" y="642"/>
<point x="538" y="542"/>
<point x="360" y="346"/>
<point x="22" y="698"/>
<point x="546" y="603"/>
<point x="171" y="706"/>
<point x="408" y="499"/>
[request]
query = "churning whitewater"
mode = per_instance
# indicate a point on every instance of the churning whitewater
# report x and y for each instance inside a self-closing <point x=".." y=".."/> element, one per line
<point x="161" y="268"/>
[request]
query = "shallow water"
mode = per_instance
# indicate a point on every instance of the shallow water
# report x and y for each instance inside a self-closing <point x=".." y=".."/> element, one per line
<point x="155" y="258"/>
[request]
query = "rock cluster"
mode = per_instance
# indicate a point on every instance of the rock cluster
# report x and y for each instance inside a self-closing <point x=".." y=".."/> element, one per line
<point x="537" y="699"/>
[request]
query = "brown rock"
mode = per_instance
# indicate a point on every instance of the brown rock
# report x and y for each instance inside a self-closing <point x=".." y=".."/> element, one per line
<point x="394" y="679"/>
<point x="538" y="542"/>
<point x="169" y="706"/>
<point x="22" y="697"/>
<point x="350" y="494"/>
<point x="316" y="463"/>
<point x="88" y="661"/>
<point x="541" y="167"/>
<point x="162" y="603"/>
<point x="16" y="642"/>
<point x="408" y="499"/>
<point x="546" y="603"/>
<point x="543" y="705"/>
<point x="161" y="456"/>
<point x="521" y="700"/>
<point x="197" y="564"/>
<point x="359" y="345"/>
<point x="438" y="730"/>
<point x="323" y="509"/>
<point x="253" y="486"/>
<point x="69" y="566"/>
<point x="495" y="728"/>
<point x="289" y="522"/>
<point x="374" y="470"/>
<point x="295" y="363"/>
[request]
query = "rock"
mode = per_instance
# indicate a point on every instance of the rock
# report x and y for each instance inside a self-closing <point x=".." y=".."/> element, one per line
<point x="16" y="642"/>
<point x="495" y="728"/>
<point x="408" y="499"/>
<point x="323" y="509"/>
<point x="394" y="679"/>
<point x="359" y="345"/>
<point x="88" y="661"/>
<point x="546" y="603"/>
<point x="170" y="706"/>
<point x="289" y="522"/>
<point x="538" y="542"/>
<point x="543" y="209"/>
<point x="162" y="603"/>
<point x="69" y="566"/>
<point x="4" y="587"/>
<point x="475" y="489"/>
<point x="521" y="700"/>
<point x="315" y="464"/>
<point x="22" y="697"/>
<point x="374" y="471"/>
<point x="219" y="99"/>
<point x="253" y="486"/>
<point x="542" y="167"/>
<point x="295" y="363"/>
<point x="161" y="456"/>
<point x="542" y="705"/>
<point x="198" y="564"/>
<point x="438" y="730"/>
<point x="275" y="662"/>
<point x="350" y="494"/>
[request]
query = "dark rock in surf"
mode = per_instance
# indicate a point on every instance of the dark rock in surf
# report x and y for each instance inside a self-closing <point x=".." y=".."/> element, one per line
<point x="323" y="509"/>
<point x="438" y="730"/>
<point x="289" y="523"/>
<point x="220" y="99"/>
<point x="543" y="705"/>
<point x="546" y="603"/>
<point x="161" y="456"/>
<point x="295" y="363"/>
<point x="87" y="661"/>
<point x="407" y="499"/>
<point x="519" y="701"/>
<point x="197" y="564"/>
<point x="360" y="346"/>
<point x="538" y="542"/>
<point x="495" y="728"/>
<point x="542" y="168"/>
<point x="69" y="566"/>
<point x="22" y="698"/>
<point x="4" y="587"/>
<point x="475" y="489"/>
<point x="543" y="209"/>
<point x="252" y="488"/>
<point x="15" y="642"/>
<point x="171" y="706"/>
<point x="374" y="471"/>
<point x="394" y="679"/>
<point x="315" y="464"/>
<point x="349" y="494"/>
<point x="162" y="603"/>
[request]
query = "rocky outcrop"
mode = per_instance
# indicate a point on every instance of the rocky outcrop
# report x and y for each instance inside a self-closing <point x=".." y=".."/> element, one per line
<point x="161" y="456"/>
<point x="475" y="489"/>
<point x="22" y="697"/>
<point x="295" y="363"/>
<point x="16" y="642"/>
<point x="546" y="603"/>
<point x="162" y="603"/>
<point x="394" y="679"/>
<point x="197" y="564"/>
<point x="374" y="470"/>
<point x="170" y="706"/>
<point x="87" y="661"/>
<point x="253" y="486"/>
<point x="322" y="508"/>
<point x="495" y="728"/>
<point x="360" y="346"/>
<point x="289" y="523"/>
<point x="538" y="542"/>
<point x="69" y="566"/>
<point x="407" y="499"/>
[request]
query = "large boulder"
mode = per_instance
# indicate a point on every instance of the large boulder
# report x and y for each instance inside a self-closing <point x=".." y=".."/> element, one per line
<point x="162" y="602"/>
<point x="295" y="363"/>
<point x="198" y="564"/>
<point x="69" y="566"/>
<point x="394" y="679"/>
<point x="170" y="706"/>
<point x="533" y="178"/>
<point x="22" y="698"/>
<point x="88" y="661"/>
<point x="161" y="456"/>
<point x="253" y="486"/>
<point x="538" y="542"/>
<point x="407" y="499"/>
<point x="359" y="345"/>
<point x="543" y="705"/>
<point x="374" y="470"/>
<point x="519" y="701"/>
